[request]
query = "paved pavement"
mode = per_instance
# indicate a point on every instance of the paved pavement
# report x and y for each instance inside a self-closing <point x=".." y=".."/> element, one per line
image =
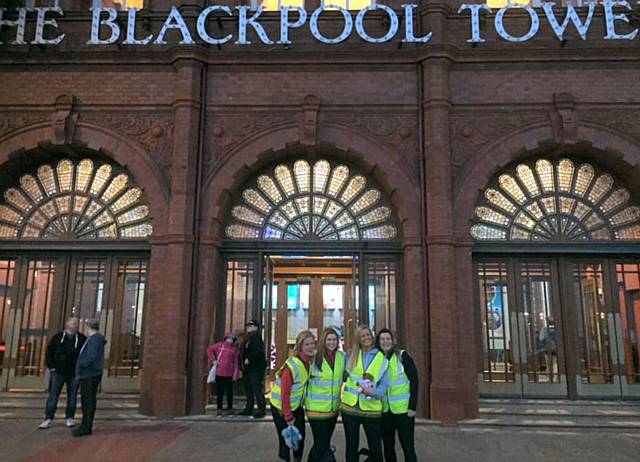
<point x="252" y="441"/>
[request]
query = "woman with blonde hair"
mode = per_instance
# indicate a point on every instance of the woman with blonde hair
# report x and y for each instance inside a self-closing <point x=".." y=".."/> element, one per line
<point x="363" y="395"/>
<point x="323" y="394"/>
<point x="288" y="393"/>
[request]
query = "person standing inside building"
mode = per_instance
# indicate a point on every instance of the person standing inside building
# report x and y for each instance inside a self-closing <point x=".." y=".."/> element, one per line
<point x="254" y="364"/>
<point x="399" y="407"/>
<point x="89" y="373"/>
<point x="288" y="394"/>
<point x="323" y="395"/>
<point x="362" y="395"/>
<point x="227" y="356"/>
<point x="62" y="354"/>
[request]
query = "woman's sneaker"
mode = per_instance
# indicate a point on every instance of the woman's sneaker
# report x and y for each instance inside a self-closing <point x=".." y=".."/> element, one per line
<point x="46" y="423"/>
<point x="71" y="423"/>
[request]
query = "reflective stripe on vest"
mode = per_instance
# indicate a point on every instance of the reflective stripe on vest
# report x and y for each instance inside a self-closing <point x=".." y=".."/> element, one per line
<point x="351" y="394"/>
<point x="300" y="379"/>
<point x="399" y="390"/>
<point x="323" y="392"/>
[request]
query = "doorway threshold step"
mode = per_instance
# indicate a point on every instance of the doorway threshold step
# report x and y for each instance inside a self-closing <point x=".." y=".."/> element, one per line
<point x="548" y="422"/>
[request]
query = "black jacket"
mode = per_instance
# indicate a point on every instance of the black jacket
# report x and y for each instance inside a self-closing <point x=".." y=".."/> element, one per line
<point x="253" y="350"/>
<point x="63" y="351"/>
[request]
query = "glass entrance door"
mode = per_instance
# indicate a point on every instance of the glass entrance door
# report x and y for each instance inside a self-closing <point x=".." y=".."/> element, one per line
<point x="559" y="327"/>
<point x="36" y="317"/>
<point x="522" y="352"/>
<point x="38" y="294"/>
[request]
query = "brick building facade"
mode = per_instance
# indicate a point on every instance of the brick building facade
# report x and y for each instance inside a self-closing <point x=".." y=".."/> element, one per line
<point x="431" y="125"/>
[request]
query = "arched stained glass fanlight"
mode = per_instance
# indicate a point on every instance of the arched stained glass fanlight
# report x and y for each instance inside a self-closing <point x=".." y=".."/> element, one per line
<point x="311" y="202"/>
<point x="74" y="201"/>
<point x="558" y="202"/>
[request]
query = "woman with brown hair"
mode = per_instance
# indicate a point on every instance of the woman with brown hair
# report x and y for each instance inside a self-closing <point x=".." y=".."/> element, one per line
<point x="402" y="397"/>
<point x="363" y="394"/>
<point x="288" y="393"/>
<point x="323" y="394"/>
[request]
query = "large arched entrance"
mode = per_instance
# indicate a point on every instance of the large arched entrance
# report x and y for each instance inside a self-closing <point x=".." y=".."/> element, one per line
<point x="557" y="276"/>
<point x="74" y="231"/>
<point x="323" y="237"/>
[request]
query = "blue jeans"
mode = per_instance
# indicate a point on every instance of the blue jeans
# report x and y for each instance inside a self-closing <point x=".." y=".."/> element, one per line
<point x="56" y="382"/>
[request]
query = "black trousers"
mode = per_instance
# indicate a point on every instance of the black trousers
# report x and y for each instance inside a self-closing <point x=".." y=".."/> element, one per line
<point x="254" y="386"/>
<point x="281" y="424"/>
<point x="372" y="429"/>
<point x="404" y="426"/>
<point x="88" y="393"/>
<point x="224" y="385"/>
<point x="322" y="430"/>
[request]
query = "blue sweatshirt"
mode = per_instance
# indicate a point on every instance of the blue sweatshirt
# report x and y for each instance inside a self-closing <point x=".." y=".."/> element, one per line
<point x="91" y="358"/>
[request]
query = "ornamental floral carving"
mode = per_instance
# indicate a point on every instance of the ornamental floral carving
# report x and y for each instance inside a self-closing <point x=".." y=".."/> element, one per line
<point x="397" y="132"/>
<point x="470" y="132"/>
<point x="625" y="121"/>
<point x="10" y="121"/>
<point x="154" y="132"/>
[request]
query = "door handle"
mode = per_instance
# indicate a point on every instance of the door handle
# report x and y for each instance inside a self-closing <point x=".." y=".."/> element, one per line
<point x="620" y="339"/>
<point x="613" y="338"/>
<point x="522" y="338"/>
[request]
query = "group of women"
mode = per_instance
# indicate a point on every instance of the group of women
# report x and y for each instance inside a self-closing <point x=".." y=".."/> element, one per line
<point x="375" y="386"/>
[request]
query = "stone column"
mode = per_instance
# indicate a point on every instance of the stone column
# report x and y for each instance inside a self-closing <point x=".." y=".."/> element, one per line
<point x="203" y="322"/>
<point x="468" y="325"/>
<point x="415" y="320"/>
<point x="446" y="388"/>
<point x="164" y="380"/>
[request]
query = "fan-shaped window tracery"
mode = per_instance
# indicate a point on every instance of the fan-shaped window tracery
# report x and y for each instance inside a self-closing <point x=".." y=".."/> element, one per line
<point x="559" y="202"/>
<point x="82" y="200"/>
<point x="311" y="202"/>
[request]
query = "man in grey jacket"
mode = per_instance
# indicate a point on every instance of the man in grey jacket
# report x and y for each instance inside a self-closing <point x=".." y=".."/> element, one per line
<point x="89" y="373"/>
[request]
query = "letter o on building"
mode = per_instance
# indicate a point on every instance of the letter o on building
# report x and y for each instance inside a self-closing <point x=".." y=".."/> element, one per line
<point x="346" y="31"/>
<point x="393" y="26"/>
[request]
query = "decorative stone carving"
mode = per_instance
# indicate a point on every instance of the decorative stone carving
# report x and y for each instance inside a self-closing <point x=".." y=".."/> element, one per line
<point x="397" y="132"/>
<point x="311" y="107"/>
<point x="63" y="119"/>
<point x="227" y="131"/>
<point x="564" y="122"/>
<point x="13" y="120"/>
<point x="154" y="132"/>
<point x="624" y="121"/>
<point x="472" y="131"/>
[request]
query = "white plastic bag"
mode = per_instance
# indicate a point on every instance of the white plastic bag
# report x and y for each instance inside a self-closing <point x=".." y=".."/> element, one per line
<point x="212" y="373"/>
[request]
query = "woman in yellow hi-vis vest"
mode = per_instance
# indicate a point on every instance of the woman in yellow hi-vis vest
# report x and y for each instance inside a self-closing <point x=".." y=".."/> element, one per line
<point x="323" y="394"/>
<point x="402" y="397"/>
<point x="362" y="395"/>
<point x="288" y="393"/>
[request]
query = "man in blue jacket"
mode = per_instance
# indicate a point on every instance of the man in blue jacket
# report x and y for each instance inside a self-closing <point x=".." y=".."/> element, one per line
<point x="89" y="373"/>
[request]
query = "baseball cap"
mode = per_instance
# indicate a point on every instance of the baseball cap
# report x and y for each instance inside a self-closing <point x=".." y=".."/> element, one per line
<point x="253" y="322"/>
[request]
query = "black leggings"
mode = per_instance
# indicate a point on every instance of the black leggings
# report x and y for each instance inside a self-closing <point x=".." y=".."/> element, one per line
<point x="224" y="385"/>
<point x="283" y="450"/>
<point x="372" y="429"/>
<point x="404" y="425"/>
<point x="322" y="430"/>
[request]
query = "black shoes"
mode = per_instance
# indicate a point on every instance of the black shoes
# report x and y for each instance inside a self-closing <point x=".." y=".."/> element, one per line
<point x="80" y="432"/>
<point x="246" y="412"/>
<point x="259" y="415"/>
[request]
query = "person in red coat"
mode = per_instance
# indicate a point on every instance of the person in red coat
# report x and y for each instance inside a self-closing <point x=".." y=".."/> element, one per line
<point x="227" y="355"/>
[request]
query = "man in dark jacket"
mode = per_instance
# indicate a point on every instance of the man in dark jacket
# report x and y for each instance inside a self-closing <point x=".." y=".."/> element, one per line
<point x="62" y="354"/>
<point x="254" y="364"/>
<point x="89" y="373"/>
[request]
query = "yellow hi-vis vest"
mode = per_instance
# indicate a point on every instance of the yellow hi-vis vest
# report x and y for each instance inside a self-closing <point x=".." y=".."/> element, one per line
<point x="300" y="379"/>
<point x="350" y="393"/>
<point x="399" y="390"/>
<point x="323" y="391"/>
